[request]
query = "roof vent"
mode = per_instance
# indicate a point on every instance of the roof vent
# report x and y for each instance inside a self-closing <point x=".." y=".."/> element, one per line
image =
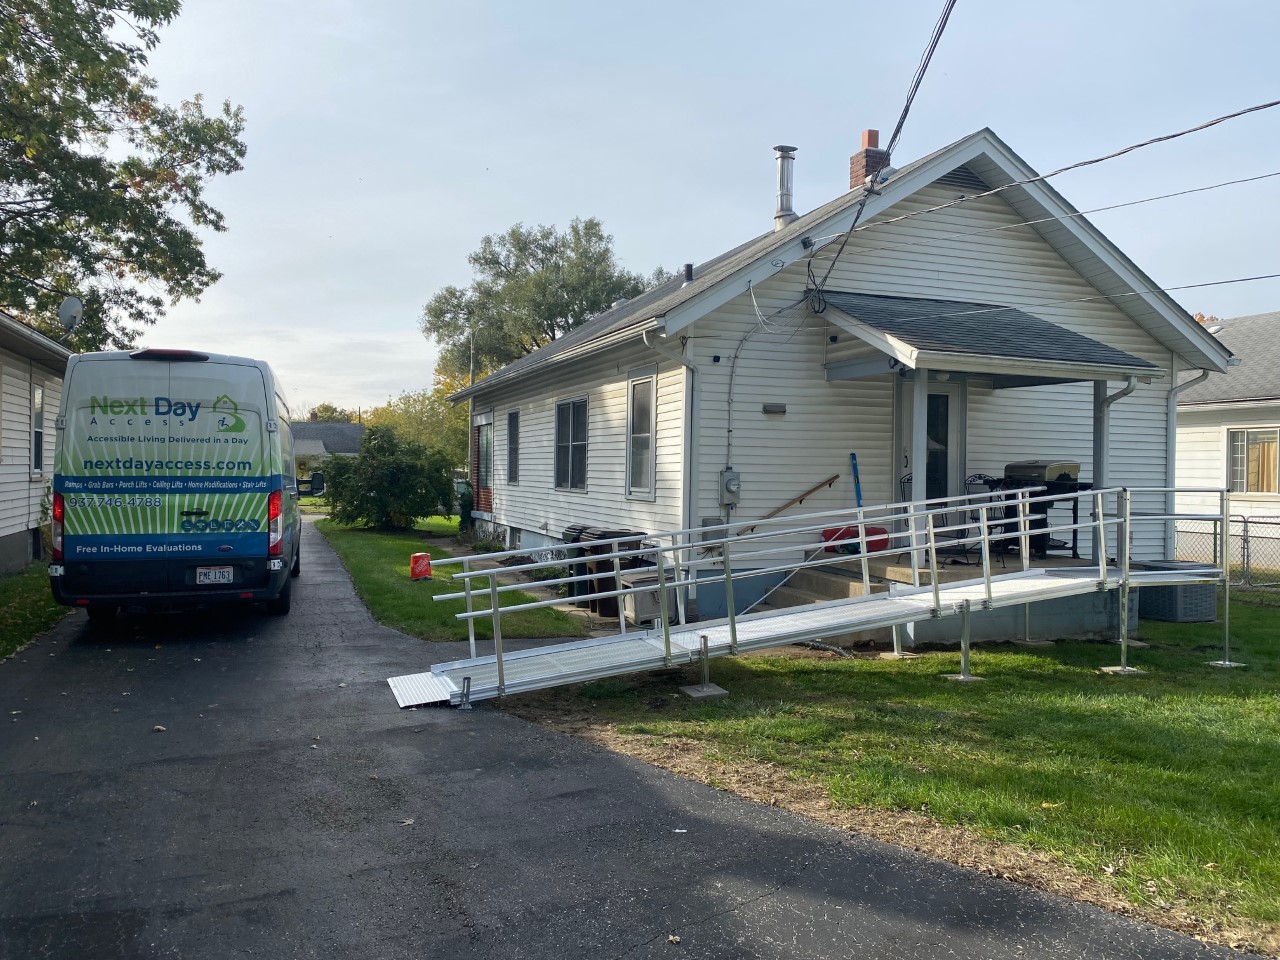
<point x="688" y="274"/>
<point x="786" y="186"/>
<point x="619" y="302"/>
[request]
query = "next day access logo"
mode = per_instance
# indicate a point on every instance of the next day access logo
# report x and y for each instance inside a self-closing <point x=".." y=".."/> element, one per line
<point x="141" y="412"/>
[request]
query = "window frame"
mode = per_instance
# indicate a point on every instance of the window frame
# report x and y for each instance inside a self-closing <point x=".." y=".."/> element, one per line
<point x="568" y="485"/>
<point x="640" y="376"/>
<point x="36" y="432"/>
<point x="1243" y="430"/>
<point x="513" y="448"/>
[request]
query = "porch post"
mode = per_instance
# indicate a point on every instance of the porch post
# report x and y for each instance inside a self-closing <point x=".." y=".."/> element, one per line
<point x="919" y="452"/>
<point x="1100" y="436"/>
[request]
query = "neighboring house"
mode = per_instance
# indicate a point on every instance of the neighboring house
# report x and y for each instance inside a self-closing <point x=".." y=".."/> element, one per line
<point x="31" y="369"/>
<point x="314" y="441"/>
<point x="1008" y="322"/>
<point x="1229" y="432"/>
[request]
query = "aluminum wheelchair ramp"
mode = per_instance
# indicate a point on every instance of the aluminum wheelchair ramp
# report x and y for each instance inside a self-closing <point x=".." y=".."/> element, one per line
<point x="677" y="562"/>
<point x="582" y="660"/>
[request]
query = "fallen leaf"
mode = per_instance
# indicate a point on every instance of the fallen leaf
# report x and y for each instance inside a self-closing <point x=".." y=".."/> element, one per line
<point x="406" y="822"/>
<point x="672" y="938"/>
<point x="342" y="684"/>
<point x="1211" y="866"/>
<point x="1046" y="805"/>
<point x="314" y="747"/>
<point x="158" y="729"/>
<point x="33" y="803"/>
<point x="373" y="776"/>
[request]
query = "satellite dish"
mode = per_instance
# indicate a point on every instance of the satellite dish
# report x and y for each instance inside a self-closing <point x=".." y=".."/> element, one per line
<point x="71" y="312"/>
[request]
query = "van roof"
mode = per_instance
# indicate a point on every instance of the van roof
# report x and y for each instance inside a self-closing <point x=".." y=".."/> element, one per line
<point x="161" y="353"/>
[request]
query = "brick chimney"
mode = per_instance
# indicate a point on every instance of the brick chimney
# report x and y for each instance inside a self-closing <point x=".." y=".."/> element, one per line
<point x="867" y="160"/>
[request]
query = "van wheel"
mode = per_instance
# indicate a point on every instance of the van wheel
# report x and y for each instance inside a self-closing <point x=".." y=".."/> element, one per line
<point x="102" y="615"/>
<point x="279" y="607"/>
<point x="296" y="569"/>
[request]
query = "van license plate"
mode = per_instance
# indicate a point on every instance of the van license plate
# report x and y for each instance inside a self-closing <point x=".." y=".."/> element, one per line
<point x="205" y="575"/>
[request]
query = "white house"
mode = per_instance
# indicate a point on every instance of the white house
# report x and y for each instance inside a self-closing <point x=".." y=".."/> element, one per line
<point x="973" y="319"/>
<point x="31" y="368"/>
<point x="1229" y="436"/>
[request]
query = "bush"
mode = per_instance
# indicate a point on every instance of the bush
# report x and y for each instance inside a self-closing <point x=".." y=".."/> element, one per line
<point x="391" y="484"/>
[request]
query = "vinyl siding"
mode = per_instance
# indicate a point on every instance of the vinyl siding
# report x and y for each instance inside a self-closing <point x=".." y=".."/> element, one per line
<point x="534" y="504"/>
<point x="19" y="495"/>
<point x="1202" y="457"/>
<point x="1014" y="267"/>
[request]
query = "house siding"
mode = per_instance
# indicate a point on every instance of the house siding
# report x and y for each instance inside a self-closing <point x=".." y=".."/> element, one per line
<point x="20" y="495"/>
<point x="1202" y="457"/>
<point x="534" y="506"/>
<point x="1014" y="267"/>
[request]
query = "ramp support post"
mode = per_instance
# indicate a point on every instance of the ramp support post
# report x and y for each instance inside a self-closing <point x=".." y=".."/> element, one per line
<point x="966" y="633"/>
<point x="617" y="585"/>
<point x="1226" y="660"/>
<point x="466" y="589"/>
<point x="933" y="565"/>
<point x="1122" y="557"/>
<point x="1100" y="538"/>
<point x="1024" y="529"/>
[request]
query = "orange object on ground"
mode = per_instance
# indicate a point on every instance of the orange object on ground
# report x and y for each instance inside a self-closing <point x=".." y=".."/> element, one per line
<point x="420" y="566"/>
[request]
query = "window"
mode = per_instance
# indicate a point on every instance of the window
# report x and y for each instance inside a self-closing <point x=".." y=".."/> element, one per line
<point x="513" y="446"/>
<point x="37" y="427"/>
<point x="1253" y="460"/>
<point x="640" y="447"/>
<point x="484" y="462"/>
<point x="571" y="444"/>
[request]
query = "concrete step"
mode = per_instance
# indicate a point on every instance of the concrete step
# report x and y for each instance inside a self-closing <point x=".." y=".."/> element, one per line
<point x="789" y="596"/>
<point x="833" y="582"/>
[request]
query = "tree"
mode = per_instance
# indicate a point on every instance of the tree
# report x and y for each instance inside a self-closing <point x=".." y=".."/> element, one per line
<point x="428" y="418"/>
<point x="328" y="413"/>
<point x="390" y="485"/>
<point x="101" y="185"/>
<point x="532" y="285"/>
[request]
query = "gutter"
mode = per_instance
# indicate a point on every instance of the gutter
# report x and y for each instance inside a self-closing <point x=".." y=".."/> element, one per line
<point x="693" y="410"/>
<point x="1170" y="454"/>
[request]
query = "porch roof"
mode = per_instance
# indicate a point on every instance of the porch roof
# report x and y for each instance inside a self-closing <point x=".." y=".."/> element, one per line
<point x="975" y="338"/>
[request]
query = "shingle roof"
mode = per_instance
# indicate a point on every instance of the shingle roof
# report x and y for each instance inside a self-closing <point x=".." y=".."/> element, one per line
<point x="336" y="437"/>
<point x="981" y="329"/>
<point x="1256" y="341"/>
<point x="666" y="297"/>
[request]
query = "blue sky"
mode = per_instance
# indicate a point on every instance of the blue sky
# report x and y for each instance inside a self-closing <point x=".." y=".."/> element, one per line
<point x="387" y="137"/>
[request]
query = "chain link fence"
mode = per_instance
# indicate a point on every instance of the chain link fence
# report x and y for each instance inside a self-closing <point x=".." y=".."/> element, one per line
<point x="1252" y="552"/>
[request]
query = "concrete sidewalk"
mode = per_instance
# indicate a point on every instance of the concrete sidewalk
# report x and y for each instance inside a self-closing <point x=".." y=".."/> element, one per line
<point x="289" y="809"/>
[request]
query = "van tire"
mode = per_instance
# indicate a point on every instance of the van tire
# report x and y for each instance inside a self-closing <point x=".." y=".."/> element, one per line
<point x="279" y="606"/>
<point x="296" y="569"/>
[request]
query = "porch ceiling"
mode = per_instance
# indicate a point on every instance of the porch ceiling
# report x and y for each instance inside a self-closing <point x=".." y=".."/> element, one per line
<point x="1006" y="343"/>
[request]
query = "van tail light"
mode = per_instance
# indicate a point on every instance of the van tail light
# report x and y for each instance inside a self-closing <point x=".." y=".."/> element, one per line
<point x="58" y="513"/>
<point x="275" y="525"/>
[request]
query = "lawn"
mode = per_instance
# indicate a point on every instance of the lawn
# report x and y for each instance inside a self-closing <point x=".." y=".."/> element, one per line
<point x="1165" y="787"/>
<point x="378" y="562"/>
<point x="26" y="607"/>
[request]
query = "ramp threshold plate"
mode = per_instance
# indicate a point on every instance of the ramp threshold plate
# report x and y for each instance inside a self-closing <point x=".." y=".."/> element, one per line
<point x="582" y="660"/>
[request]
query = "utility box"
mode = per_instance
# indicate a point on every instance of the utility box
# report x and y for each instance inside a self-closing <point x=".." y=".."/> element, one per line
<point x="643" y="606"/>
<point x="730" y="487"/>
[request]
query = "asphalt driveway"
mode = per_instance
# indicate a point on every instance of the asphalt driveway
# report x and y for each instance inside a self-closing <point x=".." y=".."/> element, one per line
<point x="289" y="809"/>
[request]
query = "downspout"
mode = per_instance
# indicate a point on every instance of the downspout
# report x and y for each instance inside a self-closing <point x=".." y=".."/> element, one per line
<point x="1170" y="451"/>
<point x="691" y="423"/>
<point x="1102" y="441"/>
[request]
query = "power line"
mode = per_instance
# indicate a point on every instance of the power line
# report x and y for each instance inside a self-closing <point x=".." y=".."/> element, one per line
<point x="1074" y="166"/>
<point x="1105" y="296"/>
<point x="925" y="241"/>
<point x="916" y="80"/>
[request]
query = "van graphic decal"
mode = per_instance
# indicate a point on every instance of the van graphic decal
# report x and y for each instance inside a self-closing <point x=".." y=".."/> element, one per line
<point x="229" y="419"/>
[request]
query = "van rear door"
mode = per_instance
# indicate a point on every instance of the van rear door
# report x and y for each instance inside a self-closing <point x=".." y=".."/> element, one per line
<point x="165" y="468"/>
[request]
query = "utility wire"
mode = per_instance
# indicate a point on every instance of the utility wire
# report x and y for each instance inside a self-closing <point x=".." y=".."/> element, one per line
<point x="921" y="68"/>
<point x="925" y="241"/>
<point x="1105" y="296"/>
<point x="1061" y="170"/>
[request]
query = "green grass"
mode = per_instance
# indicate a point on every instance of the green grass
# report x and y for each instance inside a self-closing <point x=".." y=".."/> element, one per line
<point x="1166" y="786"/>
<point x="379" y="565"/>
<point x="27" y="607"/>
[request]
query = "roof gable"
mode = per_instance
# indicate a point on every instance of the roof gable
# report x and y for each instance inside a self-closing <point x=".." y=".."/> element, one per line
<point x="979" y="160"/>
<point x="1256" y="341"/>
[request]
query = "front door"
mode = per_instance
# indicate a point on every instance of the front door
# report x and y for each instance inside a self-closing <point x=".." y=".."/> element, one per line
<point x="944" y="448"/>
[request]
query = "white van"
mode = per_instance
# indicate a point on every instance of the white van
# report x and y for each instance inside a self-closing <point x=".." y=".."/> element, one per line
<point x="173" y="483"/>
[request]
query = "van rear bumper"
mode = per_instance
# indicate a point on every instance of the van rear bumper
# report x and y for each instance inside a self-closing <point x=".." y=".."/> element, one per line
<point x="154" y="583"/>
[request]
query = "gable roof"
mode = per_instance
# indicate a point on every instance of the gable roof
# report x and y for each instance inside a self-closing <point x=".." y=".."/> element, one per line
<point x="982" y="330"/>
<point x="334" y="437"/>
<point x="985" y="159"/>
<point x="1256" y="341"/>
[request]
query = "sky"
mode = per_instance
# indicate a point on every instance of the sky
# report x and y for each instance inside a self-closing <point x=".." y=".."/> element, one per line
<point x="387" y="137"/>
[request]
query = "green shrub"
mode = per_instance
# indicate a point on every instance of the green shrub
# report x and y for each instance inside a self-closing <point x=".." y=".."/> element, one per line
<point x="391" y="484"/>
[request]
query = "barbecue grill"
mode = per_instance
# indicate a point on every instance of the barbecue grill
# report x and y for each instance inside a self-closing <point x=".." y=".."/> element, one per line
<point x="1057" y="477"/>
